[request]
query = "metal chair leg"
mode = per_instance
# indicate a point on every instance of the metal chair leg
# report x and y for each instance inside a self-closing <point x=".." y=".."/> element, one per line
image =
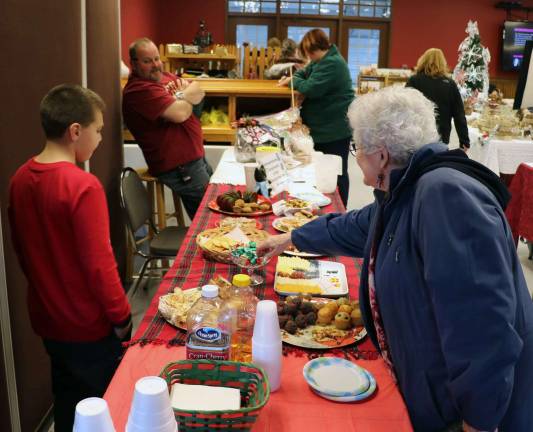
<point x="139" y="278"/>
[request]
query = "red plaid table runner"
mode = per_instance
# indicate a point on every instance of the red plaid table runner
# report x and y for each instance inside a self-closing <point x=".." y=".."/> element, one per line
<point x="191" y="269"/>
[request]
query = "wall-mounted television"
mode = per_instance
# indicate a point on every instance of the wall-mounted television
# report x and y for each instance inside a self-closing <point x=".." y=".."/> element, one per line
<point x="515" y="36"/>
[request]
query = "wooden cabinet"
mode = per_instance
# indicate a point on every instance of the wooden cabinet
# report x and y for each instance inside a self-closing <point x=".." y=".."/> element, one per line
<point x="239" y="96"/>
<point x="222" y="58"/>
<point x="253" y="94"/>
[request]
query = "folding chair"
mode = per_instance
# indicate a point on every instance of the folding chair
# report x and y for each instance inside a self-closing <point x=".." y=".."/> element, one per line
<point x="162" y="244"/>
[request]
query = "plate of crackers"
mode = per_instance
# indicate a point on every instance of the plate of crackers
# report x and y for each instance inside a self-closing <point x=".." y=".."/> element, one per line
<point x="289" y="223"/>
<point x="320" y="323"/>
<point x="175" y="306"/>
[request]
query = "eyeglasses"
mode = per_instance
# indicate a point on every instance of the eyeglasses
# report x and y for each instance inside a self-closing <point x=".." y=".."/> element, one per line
<point x="353" y="148"/>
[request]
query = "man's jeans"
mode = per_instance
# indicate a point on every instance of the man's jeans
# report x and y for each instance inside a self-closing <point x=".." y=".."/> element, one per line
<point x="189" y="181"/>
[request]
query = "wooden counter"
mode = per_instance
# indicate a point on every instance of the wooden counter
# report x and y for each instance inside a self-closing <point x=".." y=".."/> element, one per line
<point x="243" y="88"/>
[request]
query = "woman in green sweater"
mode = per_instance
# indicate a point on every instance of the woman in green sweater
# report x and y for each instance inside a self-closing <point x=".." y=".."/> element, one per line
<point x="327" y="86"/>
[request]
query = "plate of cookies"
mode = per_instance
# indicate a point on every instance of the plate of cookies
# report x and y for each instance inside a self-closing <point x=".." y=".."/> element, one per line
<point x="320" y="323"/>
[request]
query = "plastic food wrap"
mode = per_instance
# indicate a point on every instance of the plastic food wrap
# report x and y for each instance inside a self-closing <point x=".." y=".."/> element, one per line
<point x="251" y="137"/>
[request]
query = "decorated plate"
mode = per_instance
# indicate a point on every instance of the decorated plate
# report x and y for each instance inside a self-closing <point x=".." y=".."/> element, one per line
<point x="260" y="199"/>
<point x="311" y="336"/>
<point x="305" y="339"/>
<point x="336" y="376"/>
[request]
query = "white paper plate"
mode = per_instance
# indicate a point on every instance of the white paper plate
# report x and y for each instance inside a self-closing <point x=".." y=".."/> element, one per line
<point x="336" y="377"/>
<point x="361" y="396"/>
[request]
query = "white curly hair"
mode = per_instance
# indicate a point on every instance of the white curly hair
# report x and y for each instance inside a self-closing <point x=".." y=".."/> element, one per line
<point x="398" y="118"/>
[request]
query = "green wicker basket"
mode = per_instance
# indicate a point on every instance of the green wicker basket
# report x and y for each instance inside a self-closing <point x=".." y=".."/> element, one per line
<point x="249" y="379"/>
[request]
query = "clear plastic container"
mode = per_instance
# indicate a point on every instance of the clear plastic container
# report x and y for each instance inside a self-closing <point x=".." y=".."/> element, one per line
<point x="237" y="318"/>
<point x="206" y="340"/>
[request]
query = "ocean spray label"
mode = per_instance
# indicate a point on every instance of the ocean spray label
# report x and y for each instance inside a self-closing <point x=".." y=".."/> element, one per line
<point x="208" y="334"/>
<point x="208" y="343"/>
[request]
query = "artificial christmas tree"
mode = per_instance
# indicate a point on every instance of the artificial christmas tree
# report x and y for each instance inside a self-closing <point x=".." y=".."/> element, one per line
<point x="472" y="71"/>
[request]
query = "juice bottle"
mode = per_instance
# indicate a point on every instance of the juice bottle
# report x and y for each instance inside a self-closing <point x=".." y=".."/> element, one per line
<point x="237" y="317"/>
<point x="206" y="340"/>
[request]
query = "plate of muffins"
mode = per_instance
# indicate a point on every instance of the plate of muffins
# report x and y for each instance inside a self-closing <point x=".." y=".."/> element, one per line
<point x="320" y="323"/>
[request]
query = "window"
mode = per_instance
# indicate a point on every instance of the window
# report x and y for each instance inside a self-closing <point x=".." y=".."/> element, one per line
<point x="252" y="7"/>
<point x="296" y="33"/>
<point x="359" y="28"/>
<point x="363" y="49"/>
<point x="310" y="7"/>
<point x="367" y="8"/>
<point x="350" y="8"/>
<point x="255" y="35"/>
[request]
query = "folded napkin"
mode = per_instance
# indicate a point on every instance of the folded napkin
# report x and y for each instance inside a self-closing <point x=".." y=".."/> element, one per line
<point x="204" y="398"/>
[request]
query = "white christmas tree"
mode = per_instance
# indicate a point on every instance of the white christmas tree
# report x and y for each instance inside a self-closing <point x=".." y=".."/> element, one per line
<point x="472" y="71"/>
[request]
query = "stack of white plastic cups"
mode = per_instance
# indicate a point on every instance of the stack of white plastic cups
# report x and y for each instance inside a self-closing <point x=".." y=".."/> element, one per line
<point x="266" y="342"/>
<point x="151" y="410"/>
<point x="92" y="414"/>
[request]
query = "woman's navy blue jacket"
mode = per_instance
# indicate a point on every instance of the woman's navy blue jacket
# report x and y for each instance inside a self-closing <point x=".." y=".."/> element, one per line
<point x="456" y="309"/>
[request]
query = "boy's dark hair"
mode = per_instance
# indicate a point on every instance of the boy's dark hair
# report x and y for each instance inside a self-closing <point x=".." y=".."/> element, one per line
<point x="66" y="104"/>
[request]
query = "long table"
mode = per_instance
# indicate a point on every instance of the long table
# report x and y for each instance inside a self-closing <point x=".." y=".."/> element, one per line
<point x="292" y="408"/>
<point x="501" y="156"/>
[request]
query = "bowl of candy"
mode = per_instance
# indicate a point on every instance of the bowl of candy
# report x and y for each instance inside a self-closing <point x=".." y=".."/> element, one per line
<point x="245" y="256"/>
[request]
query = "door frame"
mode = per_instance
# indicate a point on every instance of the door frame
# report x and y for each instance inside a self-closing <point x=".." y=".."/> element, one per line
<point x="383" y="27"/>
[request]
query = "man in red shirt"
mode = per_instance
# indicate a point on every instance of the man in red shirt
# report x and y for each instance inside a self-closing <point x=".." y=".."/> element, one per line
<point x="158" y="110"/>
<point x="60" y="231"/>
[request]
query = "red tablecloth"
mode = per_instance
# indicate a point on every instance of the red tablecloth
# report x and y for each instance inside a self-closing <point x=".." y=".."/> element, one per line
<point x="294" y="407"/>
<point x="519" y="212"/>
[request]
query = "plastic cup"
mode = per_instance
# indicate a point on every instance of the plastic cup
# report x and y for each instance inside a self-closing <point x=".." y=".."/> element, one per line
<point x="249" y="174"/>
<point x="266" y="327"/>
<point x="92" y="414"/>
<point x="151" y="410"/>
<point x="269" y="356"/>
<point x="327" y="168"/>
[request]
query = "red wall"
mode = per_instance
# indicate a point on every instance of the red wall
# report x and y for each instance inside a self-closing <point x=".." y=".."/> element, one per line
<point x="180" y="19"/>
<point x="138" y="18"/>
<point x="418" y="25"/>
<point x="167" y="21"/>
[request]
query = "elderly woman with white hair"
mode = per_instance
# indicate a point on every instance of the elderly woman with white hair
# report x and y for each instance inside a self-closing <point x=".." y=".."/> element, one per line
<point x="442" y="291"/>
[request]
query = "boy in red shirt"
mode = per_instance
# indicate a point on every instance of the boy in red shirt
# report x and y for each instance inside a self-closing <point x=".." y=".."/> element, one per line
<point x="60" y="229"/>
